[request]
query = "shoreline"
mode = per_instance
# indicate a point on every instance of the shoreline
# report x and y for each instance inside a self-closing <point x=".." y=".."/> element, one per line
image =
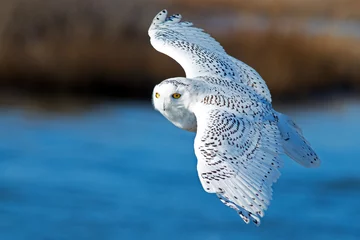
<point x="86" y="100"/>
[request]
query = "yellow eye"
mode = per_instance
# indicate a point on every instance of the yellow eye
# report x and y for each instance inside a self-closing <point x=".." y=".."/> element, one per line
<point x="157" y="95"/>
<point x="176" y="95"/>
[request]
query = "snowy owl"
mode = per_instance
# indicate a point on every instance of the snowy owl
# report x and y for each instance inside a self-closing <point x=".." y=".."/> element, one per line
<point x="239" y="136"/>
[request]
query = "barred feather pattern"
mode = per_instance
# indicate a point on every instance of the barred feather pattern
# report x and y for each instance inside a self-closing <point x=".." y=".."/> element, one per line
<point x="238" y="159"/>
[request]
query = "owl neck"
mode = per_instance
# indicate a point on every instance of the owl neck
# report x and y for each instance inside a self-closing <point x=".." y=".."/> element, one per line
<point x="182" y="117"/>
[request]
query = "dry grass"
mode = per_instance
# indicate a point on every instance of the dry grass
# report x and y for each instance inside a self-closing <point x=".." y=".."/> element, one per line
<point x="88" y="45"/>
<point x="299" y="8"/>
<point x="296" y="64"/>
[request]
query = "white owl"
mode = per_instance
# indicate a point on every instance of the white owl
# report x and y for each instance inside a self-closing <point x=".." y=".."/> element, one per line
<point x="239" y="136"/>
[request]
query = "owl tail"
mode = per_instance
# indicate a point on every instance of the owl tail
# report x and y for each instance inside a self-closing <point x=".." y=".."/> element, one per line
<point x="294" y="143"/>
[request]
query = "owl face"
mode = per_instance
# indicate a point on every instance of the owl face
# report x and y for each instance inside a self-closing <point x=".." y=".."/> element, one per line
<point x="167" y="97"/>
<point x="172" y="99"/>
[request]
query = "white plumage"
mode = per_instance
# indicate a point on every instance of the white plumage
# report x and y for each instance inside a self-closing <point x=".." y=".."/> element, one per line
<point x="239" y="136"/>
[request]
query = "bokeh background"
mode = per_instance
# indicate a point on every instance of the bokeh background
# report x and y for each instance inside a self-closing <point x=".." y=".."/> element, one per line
<point x="83" y="155"/>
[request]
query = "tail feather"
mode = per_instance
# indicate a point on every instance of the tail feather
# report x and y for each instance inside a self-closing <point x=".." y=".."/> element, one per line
<point x="294" y="143"/>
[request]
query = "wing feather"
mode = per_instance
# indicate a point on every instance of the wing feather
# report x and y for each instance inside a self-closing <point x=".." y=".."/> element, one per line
<point x="252" y="78"/>
<point x="196" y="51"/>
<point x="238" y="159"/>
<point x="199" y="54"/>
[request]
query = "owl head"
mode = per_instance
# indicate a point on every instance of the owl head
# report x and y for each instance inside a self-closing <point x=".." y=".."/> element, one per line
<point x="173" y="99"/>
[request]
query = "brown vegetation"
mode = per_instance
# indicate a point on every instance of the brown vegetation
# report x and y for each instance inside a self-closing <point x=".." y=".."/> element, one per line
<point x="300" y="8"/>
<point x="89" y="46"/>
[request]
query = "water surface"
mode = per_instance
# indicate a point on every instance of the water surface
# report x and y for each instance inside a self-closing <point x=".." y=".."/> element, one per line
<point x="122" y="171"/>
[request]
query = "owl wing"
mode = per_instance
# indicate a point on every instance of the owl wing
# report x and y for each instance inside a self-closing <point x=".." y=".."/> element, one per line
<point x="199" y="54"/>
<point x="196" y="51"/>
<point x="238" y="159"/>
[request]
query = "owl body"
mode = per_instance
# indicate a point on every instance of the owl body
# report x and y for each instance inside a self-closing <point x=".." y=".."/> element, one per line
<point x="198" y="93"/>
<point x="239" y="136"/>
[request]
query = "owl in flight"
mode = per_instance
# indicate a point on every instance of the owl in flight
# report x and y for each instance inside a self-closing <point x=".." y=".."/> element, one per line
<point x="239" y="136"/>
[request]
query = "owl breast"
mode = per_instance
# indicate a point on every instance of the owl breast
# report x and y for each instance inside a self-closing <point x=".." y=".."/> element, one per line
<point x="182" y="118"/>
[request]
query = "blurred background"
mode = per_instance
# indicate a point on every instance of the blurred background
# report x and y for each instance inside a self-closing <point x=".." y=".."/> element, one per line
<point x="83" y="155"/>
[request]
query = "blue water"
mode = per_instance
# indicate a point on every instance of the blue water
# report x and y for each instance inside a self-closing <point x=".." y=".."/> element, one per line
<point x="124" y="172"/>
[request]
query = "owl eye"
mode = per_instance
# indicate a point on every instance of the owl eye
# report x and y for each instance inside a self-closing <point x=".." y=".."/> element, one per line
<point x="157" y="95"/>
<point x="176" y="95"/>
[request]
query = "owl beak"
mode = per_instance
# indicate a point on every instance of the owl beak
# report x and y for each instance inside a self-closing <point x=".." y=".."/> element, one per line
<point x="164" y="106"/>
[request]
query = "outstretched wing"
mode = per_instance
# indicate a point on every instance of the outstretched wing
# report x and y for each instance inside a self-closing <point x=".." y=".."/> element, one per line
<point x="238" y="159"/>
<point x="199" y="54"/>
<point x="196" y="51"/>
